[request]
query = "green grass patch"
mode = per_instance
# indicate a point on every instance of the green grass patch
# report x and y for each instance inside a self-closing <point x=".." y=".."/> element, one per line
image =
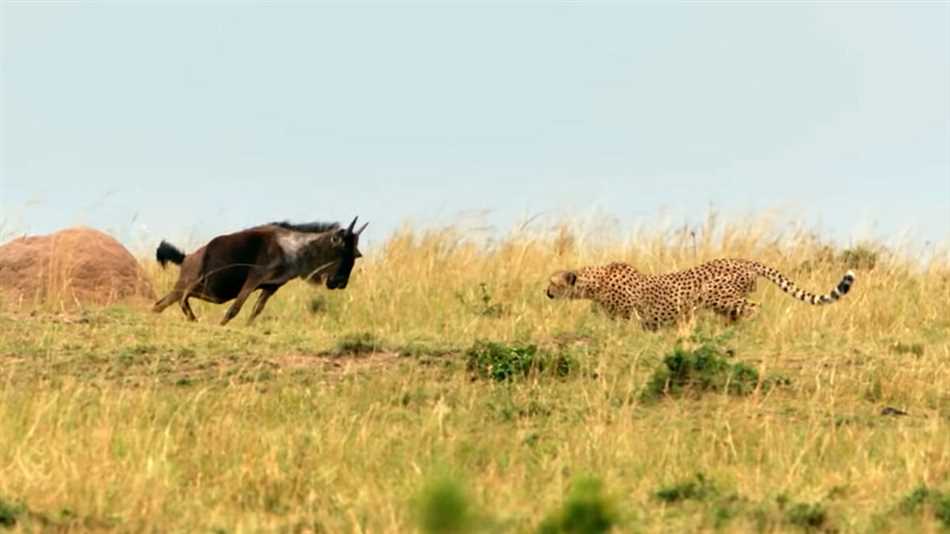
<point x="358" y="343"/>
<point x="697" y="488"/>
<point x="916" y="349"/>
<point x="423" y="349"/>
<point x="809" y="516"/>
<point x="587" y="510"/>
<point x="10" y="513"/>
<point x="502" y="362"/>
<point x="864" y="257"/>
<point x="706" y="367"/>
<point x="482" y="304"/>
<point x="318" y="304"/>
<point x="923" y="498"/>
<point x="442" y="507"/>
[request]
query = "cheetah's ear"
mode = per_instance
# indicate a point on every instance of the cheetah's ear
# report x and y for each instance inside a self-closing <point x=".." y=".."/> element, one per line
<point x="571" y="277"/>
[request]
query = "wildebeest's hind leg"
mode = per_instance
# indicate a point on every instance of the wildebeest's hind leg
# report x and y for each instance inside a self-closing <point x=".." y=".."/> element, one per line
<point x="186" y="308"/>
<point x="266" y="292"/>
<point x="166" y="301"/>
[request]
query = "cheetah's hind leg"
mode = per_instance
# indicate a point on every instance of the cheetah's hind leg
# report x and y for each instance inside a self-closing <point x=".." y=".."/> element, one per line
<point x="686" y="321"/>
<point x="741" y="309"/>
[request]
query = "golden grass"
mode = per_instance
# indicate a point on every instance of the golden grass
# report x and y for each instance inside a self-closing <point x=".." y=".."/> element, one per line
<point x="118" y="419"/>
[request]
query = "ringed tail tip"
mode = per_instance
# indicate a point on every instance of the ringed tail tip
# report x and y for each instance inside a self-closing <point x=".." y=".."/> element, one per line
<point x="843" y="286"/>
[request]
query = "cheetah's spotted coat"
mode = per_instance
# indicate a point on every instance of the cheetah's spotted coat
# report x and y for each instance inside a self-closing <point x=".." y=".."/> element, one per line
<point x="659" y="299"/>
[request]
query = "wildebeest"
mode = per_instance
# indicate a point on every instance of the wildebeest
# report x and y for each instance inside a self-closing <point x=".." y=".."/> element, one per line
<point x="264" y="257"/>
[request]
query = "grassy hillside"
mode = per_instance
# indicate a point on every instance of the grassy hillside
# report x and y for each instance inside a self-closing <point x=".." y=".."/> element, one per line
<point x="442" y="390"/>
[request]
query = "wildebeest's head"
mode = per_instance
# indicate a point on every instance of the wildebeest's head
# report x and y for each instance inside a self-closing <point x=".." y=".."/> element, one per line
<point x="345" y="242"/>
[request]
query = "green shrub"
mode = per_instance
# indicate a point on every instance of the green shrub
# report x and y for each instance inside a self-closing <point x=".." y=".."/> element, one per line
<point x="422" y="349"/>
<point x="807" y="515"/>
<point x="484" y="304"/>
<point x="9" y="513"/>
<point x="586" y="511"/>
<point x="923" y="497"/>
<point x="442" y="508"/>
<point x="704" y="368"/>
<point x="489" y="359"/>
<point x="358" y="343"/>
<point x="917" y="349"/>
<point x="862" y="257"/>
<point x="697" y="488"/>
<point x="915" y="499"/>
<point x="942" y="509"/>
<point x="318" y="304"/>
<point x="859" y="257"/>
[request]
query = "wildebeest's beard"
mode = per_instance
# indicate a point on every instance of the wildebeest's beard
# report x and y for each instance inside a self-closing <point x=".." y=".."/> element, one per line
<point x="350" y="252"/>
<point x="320" y="278"/>
<point x="342" y="275"/>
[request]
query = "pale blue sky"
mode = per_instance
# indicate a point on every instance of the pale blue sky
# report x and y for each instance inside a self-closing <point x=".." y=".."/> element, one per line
<point x="183" y="120"/>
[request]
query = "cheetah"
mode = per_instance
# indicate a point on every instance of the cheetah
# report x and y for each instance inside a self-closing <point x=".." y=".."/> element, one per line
<point x="656" y="300"/>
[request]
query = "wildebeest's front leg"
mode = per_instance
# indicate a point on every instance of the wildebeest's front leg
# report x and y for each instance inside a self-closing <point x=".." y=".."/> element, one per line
<point x="266" y="292"/>
<point x="250" y="284"/>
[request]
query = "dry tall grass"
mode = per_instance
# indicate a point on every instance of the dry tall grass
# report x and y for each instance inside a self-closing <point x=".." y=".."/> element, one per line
<point x="114" y="418"/>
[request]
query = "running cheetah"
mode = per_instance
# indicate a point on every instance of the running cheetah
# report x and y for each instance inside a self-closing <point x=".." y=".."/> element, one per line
<point x="660" y="299"/>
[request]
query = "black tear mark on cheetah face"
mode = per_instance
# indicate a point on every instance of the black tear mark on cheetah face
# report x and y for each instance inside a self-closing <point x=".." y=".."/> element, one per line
<point x="562" y="284"/>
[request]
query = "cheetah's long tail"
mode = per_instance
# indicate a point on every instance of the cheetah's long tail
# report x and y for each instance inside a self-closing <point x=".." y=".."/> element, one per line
<point x="789" y="287"/>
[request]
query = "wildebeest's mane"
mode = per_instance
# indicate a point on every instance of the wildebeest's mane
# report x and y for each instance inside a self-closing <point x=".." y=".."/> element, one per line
<point x="310" y="228"/>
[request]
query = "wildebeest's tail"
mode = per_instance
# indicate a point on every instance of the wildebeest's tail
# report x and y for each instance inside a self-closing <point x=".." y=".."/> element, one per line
<point x="789" y="287"/>
<point x="168" y="253"/>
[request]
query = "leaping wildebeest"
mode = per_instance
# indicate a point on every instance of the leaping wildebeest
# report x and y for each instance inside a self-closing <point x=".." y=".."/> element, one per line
<point x="264" y="257"/>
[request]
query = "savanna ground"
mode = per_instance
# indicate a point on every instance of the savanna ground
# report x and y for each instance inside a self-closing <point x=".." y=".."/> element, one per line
<point x="373" y="409"/>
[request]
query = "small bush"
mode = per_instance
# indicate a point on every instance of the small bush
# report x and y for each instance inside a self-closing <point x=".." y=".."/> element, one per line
<point x="9" y="513"/>
<point x="704" y="368"/>
<point x="807" y="515"/>
<point x="586" y="511"/>
<point x="726" y="509"/>
<point x="923" y="497"/>
<point x="443" y="508"/>
<point x="420" y="349"/>
<point x="318" y="304"/>
<point x="488" y="359"/>
<point x="358" y="343"/>
<point x="910" y="503"/>
<point x="942" y="509"/>
<point x="485" y="304"/>
<point x="860" y="257"/>
<point x="917" y="349"/>
<point x="697" y="488"/>
<point x="874" y="392"/>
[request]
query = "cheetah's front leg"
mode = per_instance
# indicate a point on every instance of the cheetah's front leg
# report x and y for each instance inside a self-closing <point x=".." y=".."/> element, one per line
<point x="738" y="309"/>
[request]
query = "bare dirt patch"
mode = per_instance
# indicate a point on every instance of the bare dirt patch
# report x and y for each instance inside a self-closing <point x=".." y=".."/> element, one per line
<point x="262" y="369"/>
<point x="340" y="364"/>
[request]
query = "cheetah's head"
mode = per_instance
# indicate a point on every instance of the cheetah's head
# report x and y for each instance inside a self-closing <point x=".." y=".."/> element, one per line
<point x="563" y="284"/>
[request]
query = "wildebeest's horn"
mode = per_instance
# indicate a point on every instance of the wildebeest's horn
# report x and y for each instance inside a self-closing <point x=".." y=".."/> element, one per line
<point x="360" y="231"/>
<point x="349" y="229"/>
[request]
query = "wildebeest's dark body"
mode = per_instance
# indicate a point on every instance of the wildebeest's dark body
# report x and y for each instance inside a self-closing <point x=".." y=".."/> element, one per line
<point x="265" y="257"/>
